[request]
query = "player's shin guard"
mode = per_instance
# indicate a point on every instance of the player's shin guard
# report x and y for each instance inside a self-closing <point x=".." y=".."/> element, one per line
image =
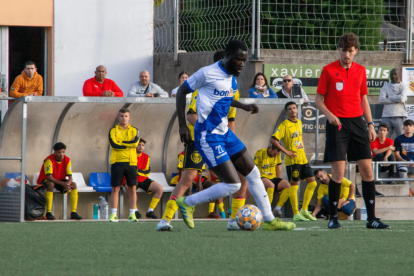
<point x="310" y="188"/>
<point x="258" y="191"/>
<point x="214" y="192"/>
<point x="170" y="210"/>
<point x="368" y="192"/>
<point x="236" y="203"/>
<point x="334" y="192"/>
<point x="284" y="196"/>
<point x="270" y="192"/>
<point x="211" y="207"/>
<point x="293" y="196"/>
<point x="49" y="201"/>
<point x="74" y="200"/>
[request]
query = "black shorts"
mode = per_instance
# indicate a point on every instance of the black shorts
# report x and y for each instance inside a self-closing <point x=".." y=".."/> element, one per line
<point x="192" y="158"/>
<point x="145" y="185"/>
<point x="121" y="169"/>
<point x="298" y="172"/>
<point x="276" y="182"/>
<point x="57" y="186"/>
<point x="351" y="141"/>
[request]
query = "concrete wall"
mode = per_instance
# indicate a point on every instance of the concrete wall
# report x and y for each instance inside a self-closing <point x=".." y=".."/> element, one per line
<point x="117" y="34"/>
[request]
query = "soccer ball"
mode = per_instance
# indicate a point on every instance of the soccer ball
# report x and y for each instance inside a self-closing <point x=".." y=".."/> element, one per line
<point x="249" y="217"/>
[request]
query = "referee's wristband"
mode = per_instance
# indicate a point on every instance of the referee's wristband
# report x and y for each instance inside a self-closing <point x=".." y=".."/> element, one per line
<point x="370" y="123"/>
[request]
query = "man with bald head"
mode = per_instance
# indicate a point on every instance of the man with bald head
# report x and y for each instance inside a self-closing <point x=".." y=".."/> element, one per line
<point x="287" y="89"/>
<point x="145" y="88"/>
<point x="393" y="96"/>
<point x="99" y="86"/>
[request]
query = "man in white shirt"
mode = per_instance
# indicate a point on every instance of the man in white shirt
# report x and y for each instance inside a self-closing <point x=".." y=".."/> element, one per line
<point x="393" y="96"/>
<point x="145" y="88"/>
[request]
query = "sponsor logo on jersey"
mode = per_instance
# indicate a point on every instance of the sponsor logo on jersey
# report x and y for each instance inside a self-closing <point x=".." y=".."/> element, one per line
<point x="221" y="155"/>
<point x="224" y="93"/>
<point x="294" y="135"/>
<point x="298" y="145"/>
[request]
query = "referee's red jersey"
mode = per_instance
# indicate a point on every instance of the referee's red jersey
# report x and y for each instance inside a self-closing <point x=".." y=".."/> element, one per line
<point x="343" y="89"/>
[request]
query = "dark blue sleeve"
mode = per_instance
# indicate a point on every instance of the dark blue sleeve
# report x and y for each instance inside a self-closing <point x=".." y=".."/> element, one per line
<point x="272" y="93"/>
<point x="252" y="94"/>
<point x="397" y="144"/>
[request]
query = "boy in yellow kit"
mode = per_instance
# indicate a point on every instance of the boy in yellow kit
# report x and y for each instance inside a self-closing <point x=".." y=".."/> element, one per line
<point x="297" y="166"/>
<point x="346" y="201"/>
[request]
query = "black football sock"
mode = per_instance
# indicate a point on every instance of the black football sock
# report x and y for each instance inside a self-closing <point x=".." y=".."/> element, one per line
<point x="368" y="193"/>
<point x="334" y="193"/>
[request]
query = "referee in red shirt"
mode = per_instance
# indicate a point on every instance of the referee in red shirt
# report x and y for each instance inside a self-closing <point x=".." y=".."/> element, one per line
<point x="342" y="97"/>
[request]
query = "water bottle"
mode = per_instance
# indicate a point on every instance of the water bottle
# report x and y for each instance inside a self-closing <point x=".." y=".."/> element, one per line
<point x="103" y="208"/>
<point x="95" y="211"/>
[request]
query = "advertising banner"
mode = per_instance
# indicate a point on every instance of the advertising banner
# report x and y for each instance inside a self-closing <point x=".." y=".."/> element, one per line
<point x="308" y="76"/>
<point x="408" y="79"/>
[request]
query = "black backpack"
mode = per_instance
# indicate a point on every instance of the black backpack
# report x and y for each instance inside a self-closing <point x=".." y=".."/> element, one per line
<point x="35" y="202"/>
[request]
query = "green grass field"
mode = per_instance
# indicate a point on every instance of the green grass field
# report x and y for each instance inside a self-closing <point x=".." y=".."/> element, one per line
<point x="102" y="248"/>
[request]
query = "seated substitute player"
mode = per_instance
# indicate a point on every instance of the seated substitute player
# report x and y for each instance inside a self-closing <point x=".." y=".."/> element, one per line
<point x="268" y="161"/>
<point x="124" y="140"/>
<point x="404" y="149"/>
<point x="220" y="148"/>
<point x="56" y="167"/>
<point x="146" y="183"/>
<point x="190" y="168"/>
<point x="342" y="98"/>
<point x="383" y="150"/>
<point x="346" y="201"/>
<point x="297" y="166"/>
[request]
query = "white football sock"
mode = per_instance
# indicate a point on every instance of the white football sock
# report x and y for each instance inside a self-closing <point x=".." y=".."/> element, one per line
<point x="149" y="210"/>
<point x="258" y="191"/>
<point x="278" y="208"/>
<point x="114" y="211"/>
<point x="216" y="191"/>
<point x="132" y="211"/>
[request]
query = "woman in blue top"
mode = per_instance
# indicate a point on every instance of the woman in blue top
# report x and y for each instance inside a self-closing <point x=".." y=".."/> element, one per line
<point x="260" y="88"/>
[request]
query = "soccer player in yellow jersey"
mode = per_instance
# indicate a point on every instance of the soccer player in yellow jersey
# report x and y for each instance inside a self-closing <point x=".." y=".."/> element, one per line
<point x="297" y="167"/>
<point x="268" y="161"/>
<point x="192" y="164"/>
<point x="346" y="203"/>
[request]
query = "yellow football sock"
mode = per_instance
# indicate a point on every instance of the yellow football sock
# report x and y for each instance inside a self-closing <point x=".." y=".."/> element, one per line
<point x="293" y="196"/>
<point x="74" y="199"/>
<point x="308" y="194"/>
<point x="170" y="210"/>
<point x="284" y="196"/>
<point x="211" y="206"/>
<point x="270" y="192"/>
<point x="236" y="203"/>
<point x="154" y="203"/>
<point x="221" y="207"/>
<point x="49" y="201"/>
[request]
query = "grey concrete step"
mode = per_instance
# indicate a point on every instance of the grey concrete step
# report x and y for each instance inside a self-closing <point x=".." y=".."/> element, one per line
<point x="389" y="202"/>
<point x="393" y="190"/>
<point x="395" y="214"/>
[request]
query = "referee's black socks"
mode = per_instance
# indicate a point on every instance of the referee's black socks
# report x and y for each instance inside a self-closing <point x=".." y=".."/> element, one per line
<point x="368" y="192"/>
<point x="334" y="193"/>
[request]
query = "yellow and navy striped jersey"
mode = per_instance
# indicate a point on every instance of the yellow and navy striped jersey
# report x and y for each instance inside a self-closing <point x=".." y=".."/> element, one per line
<point x="192" y="109"/>
<point x="291" y="134"/>
<point x="123" y="144"/>
<point x="266" y="164"/>
<point x="323" y="190"/>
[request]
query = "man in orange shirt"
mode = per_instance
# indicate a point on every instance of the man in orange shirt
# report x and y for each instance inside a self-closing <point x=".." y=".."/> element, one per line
<point x="28" y="83"/>
<point x="99" y="86"/>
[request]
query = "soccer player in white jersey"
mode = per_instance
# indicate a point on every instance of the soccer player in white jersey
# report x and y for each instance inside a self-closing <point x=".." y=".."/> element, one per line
<point x="220" y="148"/>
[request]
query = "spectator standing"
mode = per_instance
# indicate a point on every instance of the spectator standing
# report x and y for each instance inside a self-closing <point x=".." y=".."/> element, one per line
<point x="394" y="95"/>
<point x="260" y="88"/>
<point x="404" y="149"/>
<point x="182" y="77"/>
<point x="28" y="83"/>
<point x="99" y="86"/>
<point x="123" y="139"/>
<point x="287" y="90"/>
<point x="145" y="88"/>
<point x="382" y="149"/>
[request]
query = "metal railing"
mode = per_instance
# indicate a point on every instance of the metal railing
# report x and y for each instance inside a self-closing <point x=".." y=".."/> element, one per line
<point x="199" y="25"/>
<point x="376" y="170"/>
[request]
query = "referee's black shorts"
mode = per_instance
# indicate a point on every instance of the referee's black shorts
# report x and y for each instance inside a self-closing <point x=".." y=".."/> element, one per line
<point x="351" y="141"/>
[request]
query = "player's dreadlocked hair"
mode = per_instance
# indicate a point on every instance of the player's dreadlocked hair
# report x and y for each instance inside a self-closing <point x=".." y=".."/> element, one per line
<point x="348" y="40"/>
<point x="233" y="46"/>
